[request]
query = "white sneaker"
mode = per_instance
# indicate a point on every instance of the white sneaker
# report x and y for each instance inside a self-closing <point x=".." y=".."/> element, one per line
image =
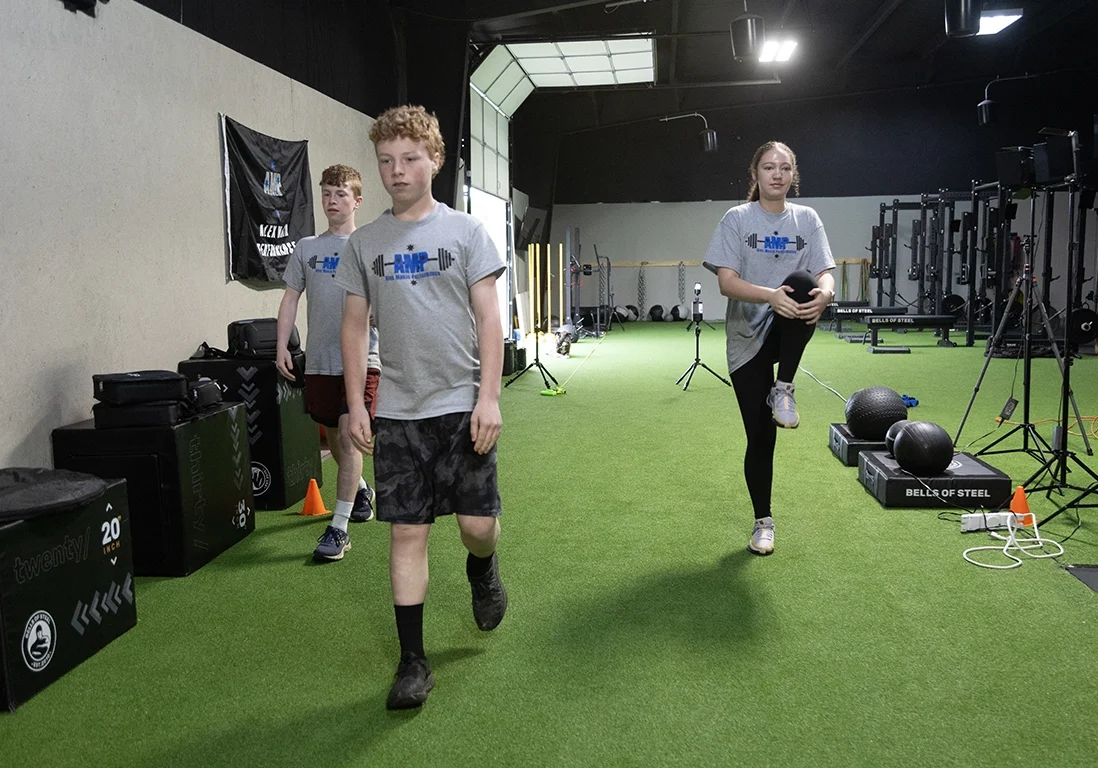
<point x="762" y="537"/>
<point x="783" y="408"/>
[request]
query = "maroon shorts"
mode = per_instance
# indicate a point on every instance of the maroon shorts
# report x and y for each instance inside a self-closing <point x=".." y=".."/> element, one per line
<point x="325" y="396"/>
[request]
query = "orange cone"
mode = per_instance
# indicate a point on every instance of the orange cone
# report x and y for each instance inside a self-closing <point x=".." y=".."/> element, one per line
<point x="314" y="505"/>
<point x="1020" y="507"/>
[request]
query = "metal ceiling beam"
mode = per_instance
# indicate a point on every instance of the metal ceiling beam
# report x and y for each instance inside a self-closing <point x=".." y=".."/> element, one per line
<point x="880" y="17"/>
<point x="663" y="87"/>
<point x="501" y="10"/>
<point x="526" y="38"/>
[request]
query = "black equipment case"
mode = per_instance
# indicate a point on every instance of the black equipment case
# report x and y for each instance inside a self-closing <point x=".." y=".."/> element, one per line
<point x="258" y="338"/>
<point x="139" y="387"/>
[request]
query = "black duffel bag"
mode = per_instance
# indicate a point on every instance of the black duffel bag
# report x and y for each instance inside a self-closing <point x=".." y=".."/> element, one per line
<point x="139" y="387"/>
<point x="259" y="338"/>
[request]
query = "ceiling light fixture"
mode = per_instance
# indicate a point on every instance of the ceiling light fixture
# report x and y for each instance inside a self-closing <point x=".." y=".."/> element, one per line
<point x="962" y="17"/>
<point x="985" y="110"/>
<point x="747" y="33"/>
<point x="707" y="137"/>
<point x="994" y="22"/>
<point x="777" y="50"/>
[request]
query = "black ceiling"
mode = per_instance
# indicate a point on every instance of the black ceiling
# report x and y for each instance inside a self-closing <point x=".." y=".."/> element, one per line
<point x="845" y="47"/>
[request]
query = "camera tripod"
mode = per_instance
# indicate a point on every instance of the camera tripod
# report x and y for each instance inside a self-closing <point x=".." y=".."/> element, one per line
<point x="693" y="323"/>
<point x="688" y="374"/>
<point x="546" y="377"/>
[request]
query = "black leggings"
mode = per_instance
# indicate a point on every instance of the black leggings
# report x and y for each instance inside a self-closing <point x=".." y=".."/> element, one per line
<point x="784" y="345"/>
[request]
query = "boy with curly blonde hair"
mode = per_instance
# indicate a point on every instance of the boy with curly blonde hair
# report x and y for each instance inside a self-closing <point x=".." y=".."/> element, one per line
<point x="427" y="273"/>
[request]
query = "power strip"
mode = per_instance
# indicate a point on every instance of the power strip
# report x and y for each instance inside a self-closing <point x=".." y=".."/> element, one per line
<point x="978" y="521"/>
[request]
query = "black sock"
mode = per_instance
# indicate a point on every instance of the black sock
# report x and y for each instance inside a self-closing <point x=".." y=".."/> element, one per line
<point x="410" y="629"/>
<point x="476" y="567"/>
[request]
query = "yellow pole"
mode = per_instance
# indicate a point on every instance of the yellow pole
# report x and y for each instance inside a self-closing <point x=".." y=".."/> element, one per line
<point x="560" y="271"/>
<point x="530" y="284"/>
<point x="548" y="288"/>
<point x="537" y="287"/>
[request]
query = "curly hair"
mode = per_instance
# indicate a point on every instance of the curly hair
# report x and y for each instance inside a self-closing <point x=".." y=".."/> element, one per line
<point x="411" y="122"/>
<point x="338" y="175"/>
<point x="753" y="191"/>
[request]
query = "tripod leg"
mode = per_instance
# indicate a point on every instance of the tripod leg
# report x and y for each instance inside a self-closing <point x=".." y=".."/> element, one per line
<point x="987" y="360"/>
<point x="722" y="378"/>
<point x="545" y="373"/>
<point x="684" y="373"/>
<point x="515" y="378"/>
<point x="1060" y="362"/>
<point x="689" y="378"/>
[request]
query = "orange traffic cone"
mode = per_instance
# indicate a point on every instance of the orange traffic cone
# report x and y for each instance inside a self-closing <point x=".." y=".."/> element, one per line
<point x="1020" y="507"/>
<point x="314" y="505"/>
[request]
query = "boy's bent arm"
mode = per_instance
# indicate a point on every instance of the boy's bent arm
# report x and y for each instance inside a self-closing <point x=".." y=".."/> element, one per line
<point x="287" y="314"/>
<point x="487" y="421"/>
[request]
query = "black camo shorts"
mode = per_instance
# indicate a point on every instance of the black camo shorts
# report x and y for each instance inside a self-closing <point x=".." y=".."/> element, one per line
<point x="427" y="468"/>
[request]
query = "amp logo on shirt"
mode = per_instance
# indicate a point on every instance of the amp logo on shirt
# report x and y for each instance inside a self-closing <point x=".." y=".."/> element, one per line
<point x="775" y="244"/>
<point x="413" y="265"/>
<point x="326" y="265"/>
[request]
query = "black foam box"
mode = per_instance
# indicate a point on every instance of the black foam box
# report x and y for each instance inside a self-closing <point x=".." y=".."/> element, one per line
<point x="283" y="438"/>
<point x="188" y="484"/>
<point x="846" y="447"/>
<point x="66" y="591"/>
<point x="967" y="483"/>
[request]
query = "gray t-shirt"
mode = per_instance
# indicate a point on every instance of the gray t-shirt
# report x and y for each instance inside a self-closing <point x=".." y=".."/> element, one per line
<point x="416" y="276"/>
<point x="763" y="248"/>
<point x="310" y="270"/>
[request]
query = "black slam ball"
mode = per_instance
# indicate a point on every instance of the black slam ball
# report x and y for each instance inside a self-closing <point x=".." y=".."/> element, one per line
<point x="923" y="448"/>
<point x="656" y="313"/>
<point x="871" y="411"/>
<point x="890" y="435"/>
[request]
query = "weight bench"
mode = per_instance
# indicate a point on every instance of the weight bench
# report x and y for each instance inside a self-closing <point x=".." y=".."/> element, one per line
<point x="859" y="312"/>
<point x="902" y="323"/>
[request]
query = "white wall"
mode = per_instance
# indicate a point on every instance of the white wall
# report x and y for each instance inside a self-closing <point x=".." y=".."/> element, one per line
<point x="112" y="208"/>
<point x="682" y="231"/>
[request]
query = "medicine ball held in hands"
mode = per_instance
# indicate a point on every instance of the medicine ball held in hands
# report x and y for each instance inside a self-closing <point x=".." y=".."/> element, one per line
<point x="871" y="411"/>
<point x="923" y="448"/>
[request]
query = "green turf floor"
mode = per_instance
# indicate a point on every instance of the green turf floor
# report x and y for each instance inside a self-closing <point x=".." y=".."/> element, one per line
<point x="640" y="632"/>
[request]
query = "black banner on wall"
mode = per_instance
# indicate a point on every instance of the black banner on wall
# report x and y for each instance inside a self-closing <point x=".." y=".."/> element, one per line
<point x="268" y="200"/>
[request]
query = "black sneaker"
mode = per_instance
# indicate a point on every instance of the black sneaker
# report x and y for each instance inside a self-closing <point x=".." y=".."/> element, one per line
<point x="363" y="509"/>
<point x="331" y="545"/>
<point x="489" y="597"/>
<point x="412" y="684"/>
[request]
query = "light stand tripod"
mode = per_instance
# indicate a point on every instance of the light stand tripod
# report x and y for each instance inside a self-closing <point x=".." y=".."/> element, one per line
<point x="696" y="321"/>
<point x="1058" y="463"/>
<point x="534" y="272"/>
<point x="1040" y="448"/>
<point x="536" y="363"/>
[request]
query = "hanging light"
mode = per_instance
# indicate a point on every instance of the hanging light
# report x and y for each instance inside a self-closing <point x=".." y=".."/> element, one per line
<point x="747" y="34"/>
<point x="707" y="137"/>
<point x="962" y="17"/>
